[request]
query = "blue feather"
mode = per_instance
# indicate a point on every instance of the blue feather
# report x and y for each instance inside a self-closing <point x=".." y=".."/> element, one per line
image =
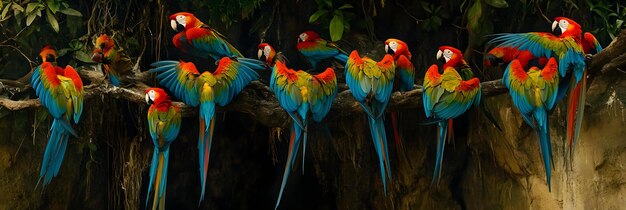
<point x="441" y="144"/>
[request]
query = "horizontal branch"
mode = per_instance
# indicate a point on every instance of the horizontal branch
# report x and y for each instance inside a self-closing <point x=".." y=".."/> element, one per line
<point x="257" y="99"/>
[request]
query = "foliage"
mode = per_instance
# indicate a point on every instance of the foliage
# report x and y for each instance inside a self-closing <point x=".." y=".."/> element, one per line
<point x="435" y="15"/>
<point x="337" y="19"/>
<point x="227" y="11"/>
<point x="22" y="33"/>
<point x="612" y="17"/>
<point x="35" y="9"/>
<point x="478" y="21"/>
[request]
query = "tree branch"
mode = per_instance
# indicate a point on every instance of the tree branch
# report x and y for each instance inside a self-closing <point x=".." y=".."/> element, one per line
<point x="257" y="99"/>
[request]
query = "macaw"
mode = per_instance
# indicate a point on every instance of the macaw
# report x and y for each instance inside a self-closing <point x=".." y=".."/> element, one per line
<point x="316" y="49"/>
<point x="61" y="92"/>
<point x="569" y="49"/>
<point x="205" y="90"/>
<point x="196" y="38"/>
<point x="116" y="65"/>
<point x="405" y="72"/>
<point x="164" y="121"/>
<point x="371" y="84"/>
<point x="299" y="92"/>
<point x="507" y="54"/>
<point x="447" y="96"/>
<point x="269" y="55"/>
<point x="534" y="94"/>
<point x="453" y="57"/>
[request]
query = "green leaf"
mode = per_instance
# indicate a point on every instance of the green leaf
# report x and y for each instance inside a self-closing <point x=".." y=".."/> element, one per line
<point x="336" y="27"/>
<point x="329" y="3"/>
<point x="52" y="20"/>
<point x="71" y="12"/>
<point x="473" y="21"/>
<point x="82" y="56"/>
<point x="497" y="3"/>
<point x="426" y="7"/>
<point x="17" y="7"/>
<point x="31" y="7"/>
<point x="63" y="51"/>
<point x="4" y="12"/>
<point x="53" y="5"/>
<point x="30" y="18"/>
<point x="317" y="15"/>
<point x="346" y="6"/>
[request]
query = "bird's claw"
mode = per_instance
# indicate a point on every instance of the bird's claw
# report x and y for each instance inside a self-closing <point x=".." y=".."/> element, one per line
<point x="588" y="58"/>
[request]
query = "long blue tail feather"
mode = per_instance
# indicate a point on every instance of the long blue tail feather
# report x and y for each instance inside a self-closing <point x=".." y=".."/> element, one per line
<point x="55" y="151"/>
<point x="441" y="143"/>
<point x="294" y="143"/>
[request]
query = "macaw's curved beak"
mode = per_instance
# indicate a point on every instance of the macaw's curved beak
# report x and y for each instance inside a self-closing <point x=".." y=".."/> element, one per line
<point x="556" y="30"/>
<point x="440" y="56"/>
<point x="149" y="101"/>
<point x="388" y="50"/>
<point x="260" y="55"/>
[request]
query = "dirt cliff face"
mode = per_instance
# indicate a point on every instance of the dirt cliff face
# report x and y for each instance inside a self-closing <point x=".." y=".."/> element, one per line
<point x="483" y="169"/>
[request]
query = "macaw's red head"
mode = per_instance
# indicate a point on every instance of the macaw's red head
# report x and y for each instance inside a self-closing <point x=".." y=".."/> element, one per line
<point x="48" y="54"/>
<point x="157" y="97"/>
<point x="308" y="36"/>
<point x="396" y="48"/>
<point x="563" y="26"/>
<point x="184" y="20"/>
<point x="450" y="55"/>
<point x="266" y="53"/>
<point x="102" y="48"/>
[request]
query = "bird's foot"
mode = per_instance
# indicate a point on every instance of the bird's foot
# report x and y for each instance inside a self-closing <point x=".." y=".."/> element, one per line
<point x="588" y="58"/>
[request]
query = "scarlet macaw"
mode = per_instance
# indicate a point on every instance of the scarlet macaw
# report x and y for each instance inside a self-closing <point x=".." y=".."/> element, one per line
<point x="316" y="49"/>
<point x="206" y="89"/>
<point x="507" y="54"/>
<point x="534" y="94"/>
<point x="116" y="65"/>
<point x="299" y="92"/>
<point x="405" y="72"/>
<point x="447" y="96"/>
<point x="269" y="55"/>
<point x="164" y="121"/>
<point x="569" y="50"/>
<point x="196" y="38"/>
<point x="371" y="84"/>
<point x="61" y="92"/>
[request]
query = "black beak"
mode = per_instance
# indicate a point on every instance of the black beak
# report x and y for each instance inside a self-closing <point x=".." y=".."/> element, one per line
<point x="50" y="58"/>
<point x="179" y="27"/>
<point x="390" y="51"/>
<point x="263" y="58"/>
<point x="557" y="31"/>
<point x="442" y="59"/>
<point x="150" y="101"/>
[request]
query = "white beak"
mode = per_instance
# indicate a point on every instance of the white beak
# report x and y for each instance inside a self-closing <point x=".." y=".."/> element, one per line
<point x="554" y="25"/>
<point x="173" y="24"/>
<point x="386" y="48"/>
<point x="439" y="54"/>
<point x="147" y="99"/>
<point x="260" y="53"/>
